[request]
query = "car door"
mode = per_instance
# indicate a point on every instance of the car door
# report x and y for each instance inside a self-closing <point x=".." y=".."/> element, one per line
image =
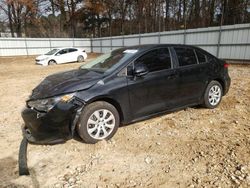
<point x="69" y="56"/>
<point x="155" y="91"/>
<point x="73" y="54"/>
<point x="62" y="56"/>
<point x="192" y="78"/>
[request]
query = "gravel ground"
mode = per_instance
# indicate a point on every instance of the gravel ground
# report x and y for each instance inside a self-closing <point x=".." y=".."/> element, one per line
<point x="195" y="147"/>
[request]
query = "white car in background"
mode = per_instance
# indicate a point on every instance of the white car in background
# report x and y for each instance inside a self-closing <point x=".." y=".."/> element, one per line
<point x="62" y="55"/>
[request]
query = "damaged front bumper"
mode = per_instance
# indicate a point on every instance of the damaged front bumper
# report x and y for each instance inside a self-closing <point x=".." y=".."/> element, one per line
<point x="53" y="127"/>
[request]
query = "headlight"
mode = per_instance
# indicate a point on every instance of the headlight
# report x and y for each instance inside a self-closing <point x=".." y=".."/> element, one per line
<point x="46" y="105"/>
<point x="44" y="59"/>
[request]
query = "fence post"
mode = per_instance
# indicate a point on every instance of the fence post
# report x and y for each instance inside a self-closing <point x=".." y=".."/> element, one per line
<point x="91" y="44"/>
<point x="123" y="40"/>
<point x="248" y="39"/>
<point x="184" y="37"/>
<point x="159" y="37"/>
<point x="111" y="44"/>
<point x="219" y="41"/>
<point x="139" y="38"/>
<point x="50" y="43"/>
<point x="101" y="44"/>
<point x="26" y="47"/>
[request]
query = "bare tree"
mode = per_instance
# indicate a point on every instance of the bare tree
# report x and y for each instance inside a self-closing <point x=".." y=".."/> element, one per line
<point x="18" y="12"/>
<point x="77" y="18"/>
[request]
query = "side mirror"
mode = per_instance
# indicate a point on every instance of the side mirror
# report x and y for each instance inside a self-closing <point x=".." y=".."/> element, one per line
<point x="141" y="70"/>
<point x="58" y="54"/>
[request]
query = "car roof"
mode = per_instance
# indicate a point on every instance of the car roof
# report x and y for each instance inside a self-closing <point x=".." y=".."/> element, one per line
<point x="145" y="47"/>
<point x="61" y="48"/>
<point x="148" y="46"/>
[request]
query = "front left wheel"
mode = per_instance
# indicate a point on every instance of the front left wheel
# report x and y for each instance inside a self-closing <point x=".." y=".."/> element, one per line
<point x="98" y="121"/>
<point x="52" y="62"/>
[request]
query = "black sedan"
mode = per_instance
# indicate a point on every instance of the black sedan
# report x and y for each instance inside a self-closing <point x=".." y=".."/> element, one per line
<point x="121" y="87"/>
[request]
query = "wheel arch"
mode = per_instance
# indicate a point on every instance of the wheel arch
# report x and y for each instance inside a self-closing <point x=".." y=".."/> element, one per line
<point x="52" y="60"/>
<point x="222" y="84"/>
<point x="218" y="80"/>
<point x="112" y="102"/>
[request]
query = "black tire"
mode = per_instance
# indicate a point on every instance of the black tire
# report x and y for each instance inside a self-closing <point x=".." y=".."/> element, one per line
<point x="80" y="58"/>
<point x="52" y="62"/>
<point x="87" y="113"/>
<point x="208" y="98"/>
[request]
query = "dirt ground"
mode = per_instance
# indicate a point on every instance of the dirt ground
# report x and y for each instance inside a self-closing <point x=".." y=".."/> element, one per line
<point x="195" y="147"/>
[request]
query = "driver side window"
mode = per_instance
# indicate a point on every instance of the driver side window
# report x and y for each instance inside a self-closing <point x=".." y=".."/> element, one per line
<point x="64" y="51"/>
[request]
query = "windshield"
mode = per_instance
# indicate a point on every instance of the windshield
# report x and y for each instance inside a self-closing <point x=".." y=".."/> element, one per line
<point x="110" y="61"/>
<point x="52" y="52"/>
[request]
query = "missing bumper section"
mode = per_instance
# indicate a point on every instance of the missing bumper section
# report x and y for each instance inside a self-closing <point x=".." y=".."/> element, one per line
<point x="22" y="158"/>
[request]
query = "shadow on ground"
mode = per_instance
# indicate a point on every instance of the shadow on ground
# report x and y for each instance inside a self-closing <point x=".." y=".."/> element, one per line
<point x="9" y="174"/>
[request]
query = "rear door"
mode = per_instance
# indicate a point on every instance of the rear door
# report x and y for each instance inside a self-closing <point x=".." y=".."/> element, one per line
<point x="62" y="56"/>
<point x="155" y="91"/>
<point x="73" y="54"/>
<point x="192" y="76"/>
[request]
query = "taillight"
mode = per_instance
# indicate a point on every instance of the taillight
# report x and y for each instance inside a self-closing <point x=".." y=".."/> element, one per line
<point x="226" y="65"/>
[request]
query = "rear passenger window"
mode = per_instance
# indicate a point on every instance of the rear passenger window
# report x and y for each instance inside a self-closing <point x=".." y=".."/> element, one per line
<point x="210" y="58"/>
<point x="201" y="57"/>
<point x="155" y="60"/>
<point x="72" y="50"/>
<point x="186" y="56"/>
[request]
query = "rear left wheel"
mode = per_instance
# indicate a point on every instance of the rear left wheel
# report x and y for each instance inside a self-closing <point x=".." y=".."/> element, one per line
<point x="98" y="121"/>
<point x="80" y="58"/>
<point x="213" y="94"/>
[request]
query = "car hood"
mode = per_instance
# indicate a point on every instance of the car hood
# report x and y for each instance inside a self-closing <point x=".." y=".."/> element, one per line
<point x="65" y="82"/>
<point x="42" y="57"/>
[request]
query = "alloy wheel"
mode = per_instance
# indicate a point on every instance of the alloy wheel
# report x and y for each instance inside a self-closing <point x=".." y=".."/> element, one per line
<point x="100" y="124"/>
<point x="214" y="95"/>
<point x="80" y="59"/>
